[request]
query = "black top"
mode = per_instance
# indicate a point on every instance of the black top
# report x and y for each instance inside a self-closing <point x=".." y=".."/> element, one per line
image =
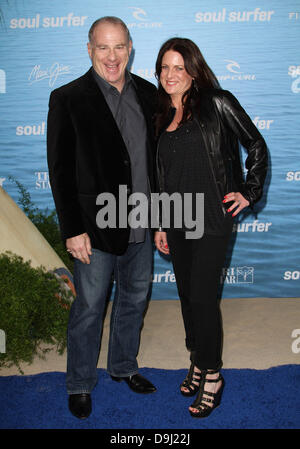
<point x="130" y="119"/>
<point x="187" y="169"/>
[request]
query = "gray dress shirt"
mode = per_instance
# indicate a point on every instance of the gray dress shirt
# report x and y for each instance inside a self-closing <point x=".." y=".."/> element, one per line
<point x="129" y="117"/>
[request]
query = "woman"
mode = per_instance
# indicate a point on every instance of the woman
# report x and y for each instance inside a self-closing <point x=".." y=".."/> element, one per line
<point x="199" y="127"/>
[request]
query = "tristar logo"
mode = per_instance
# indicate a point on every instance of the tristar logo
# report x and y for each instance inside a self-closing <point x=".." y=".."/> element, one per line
<point x="141" y="16"/>
<point x="245" y="275"/>
<point x="42" y="180"/>
<point x="237" y="275"/>
<point x="2" y="82"/>
<point x="235" y="72"/>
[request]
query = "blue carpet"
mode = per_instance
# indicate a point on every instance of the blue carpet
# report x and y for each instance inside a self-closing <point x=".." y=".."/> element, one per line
<point x="252" y="399"/>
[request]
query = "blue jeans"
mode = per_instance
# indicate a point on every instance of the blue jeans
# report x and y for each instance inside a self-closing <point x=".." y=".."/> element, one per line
<point x="132" y="272"/>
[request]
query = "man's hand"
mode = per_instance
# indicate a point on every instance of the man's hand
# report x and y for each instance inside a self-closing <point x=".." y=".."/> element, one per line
<point x="80" y="247"/>
<point x="160" y="240"/>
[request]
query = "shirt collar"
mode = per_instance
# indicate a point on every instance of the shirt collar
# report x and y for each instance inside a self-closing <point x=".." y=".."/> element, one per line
<point x="104" y="85"/>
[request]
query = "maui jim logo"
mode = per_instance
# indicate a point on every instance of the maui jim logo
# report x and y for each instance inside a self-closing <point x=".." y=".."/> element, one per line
<point x="52" y="73"/>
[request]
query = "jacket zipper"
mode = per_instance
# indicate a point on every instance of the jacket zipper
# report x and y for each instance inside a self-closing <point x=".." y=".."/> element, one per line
<point x="159" y="182"/>
<point x="157" y="168"/>
<point x="159" y="139"/>
<point x="211" y="168"/>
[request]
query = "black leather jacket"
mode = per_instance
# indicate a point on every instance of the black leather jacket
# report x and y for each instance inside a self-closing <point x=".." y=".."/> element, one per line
<point x="224" y="124"/>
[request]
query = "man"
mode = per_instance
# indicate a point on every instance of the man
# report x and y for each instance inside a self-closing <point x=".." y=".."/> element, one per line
<point x="99" y="138"/>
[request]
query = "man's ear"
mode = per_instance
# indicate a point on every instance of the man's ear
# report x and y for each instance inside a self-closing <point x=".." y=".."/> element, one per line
<point x="89" y="49"/>
<point x="130" y="47"/>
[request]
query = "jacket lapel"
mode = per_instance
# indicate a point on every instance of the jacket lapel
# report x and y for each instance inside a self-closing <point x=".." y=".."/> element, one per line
<point x="97" y="100"/>
<point x="101" y="109"/>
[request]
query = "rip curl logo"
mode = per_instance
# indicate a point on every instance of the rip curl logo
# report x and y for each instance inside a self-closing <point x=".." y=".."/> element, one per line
<point x="137" y="12"/>
<point x="235" y="72"/>
<point x="142" y="21"/>
<point x="232" y="65"/>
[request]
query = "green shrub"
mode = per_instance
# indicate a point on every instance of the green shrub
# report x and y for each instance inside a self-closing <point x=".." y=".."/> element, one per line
<point x="34" y="309"/>
<point x="46" y="222"/>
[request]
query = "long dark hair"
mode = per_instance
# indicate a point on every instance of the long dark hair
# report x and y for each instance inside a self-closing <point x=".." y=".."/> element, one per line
<point x="196" y="67"/>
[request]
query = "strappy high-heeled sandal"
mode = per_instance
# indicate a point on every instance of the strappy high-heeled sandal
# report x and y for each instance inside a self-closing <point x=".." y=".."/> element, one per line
<point x="201" y="401"/>
<point x="191" y="382"/>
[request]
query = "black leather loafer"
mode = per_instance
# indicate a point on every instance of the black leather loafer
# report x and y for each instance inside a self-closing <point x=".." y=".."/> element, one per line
<point x="137" y="383"/>
<point x="80" y="405"/>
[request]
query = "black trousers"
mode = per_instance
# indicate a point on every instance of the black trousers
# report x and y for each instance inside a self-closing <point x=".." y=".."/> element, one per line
<point x="197" y="266"/>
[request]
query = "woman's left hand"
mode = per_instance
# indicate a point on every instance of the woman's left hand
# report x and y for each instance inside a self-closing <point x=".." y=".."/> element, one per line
<point x="239" y="202"/>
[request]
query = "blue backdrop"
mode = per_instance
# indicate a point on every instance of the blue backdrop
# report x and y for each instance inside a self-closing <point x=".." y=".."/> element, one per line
<point x="253" y="48"/>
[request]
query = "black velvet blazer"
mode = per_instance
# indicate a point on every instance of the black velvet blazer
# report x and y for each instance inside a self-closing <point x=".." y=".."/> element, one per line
<point x="87" y="156"/>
